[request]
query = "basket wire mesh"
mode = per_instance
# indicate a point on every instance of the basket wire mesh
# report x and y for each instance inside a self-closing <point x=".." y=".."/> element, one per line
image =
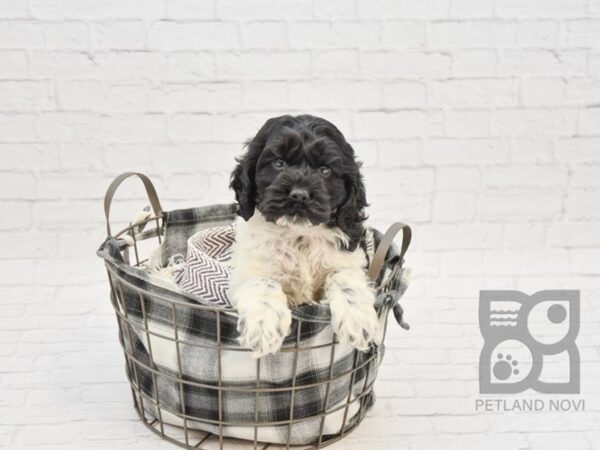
<point x="190" y="438"/>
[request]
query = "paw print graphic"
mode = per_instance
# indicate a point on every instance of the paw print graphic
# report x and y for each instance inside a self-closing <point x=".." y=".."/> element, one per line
<point x="505" y="367"/>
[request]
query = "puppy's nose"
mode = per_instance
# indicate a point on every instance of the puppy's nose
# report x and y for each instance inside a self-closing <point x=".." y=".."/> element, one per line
<point x="299" y="194"/>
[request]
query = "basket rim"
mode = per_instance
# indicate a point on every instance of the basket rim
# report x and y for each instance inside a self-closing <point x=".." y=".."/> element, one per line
<point x="384" y="299"/>
<point x="172" y="294"/>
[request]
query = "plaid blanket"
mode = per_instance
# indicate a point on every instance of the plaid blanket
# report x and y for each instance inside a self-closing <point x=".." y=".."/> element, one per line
<point x="155" y="313"/>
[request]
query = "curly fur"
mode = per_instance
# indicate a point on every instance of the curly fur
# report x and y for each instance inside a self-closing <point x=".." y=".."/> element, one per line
<point x="289" y="252"/>
<point x="303" y="135"/>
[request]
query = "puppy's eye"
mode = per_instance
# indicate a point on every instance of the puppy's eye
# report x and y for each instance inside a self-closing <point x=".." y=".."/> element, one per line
<point x="279" y="163"/>
<point x="325" y="171"/>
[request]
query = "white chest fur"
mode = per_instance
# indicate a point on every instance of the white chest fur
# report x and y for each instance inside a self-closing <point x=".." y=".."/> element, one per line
<point x="298" y="256"/>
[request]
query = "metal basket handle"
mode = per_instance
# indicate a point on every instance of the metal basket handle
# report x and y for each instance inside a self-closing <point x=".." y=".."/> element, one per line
<point x="384" y="245"/>
<point x="150" y="191"/>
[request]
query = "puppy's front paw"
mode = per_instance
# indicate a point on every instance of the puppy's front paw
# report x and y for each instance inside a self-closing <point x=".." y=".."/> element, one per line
<point x="264" y="318"/>
<point x="357" y="328"/>
<point x="353" y="315"/>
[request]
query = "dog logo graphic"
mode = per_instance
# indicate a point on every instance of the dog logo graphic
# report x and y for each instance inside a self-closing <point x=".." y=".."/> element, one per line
<point x="529" y="342"/>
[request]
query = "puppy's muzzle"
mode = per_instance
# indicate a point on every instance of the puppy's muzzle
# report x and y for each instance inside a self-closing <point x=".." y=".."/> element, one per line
<point x="299" y="195"/>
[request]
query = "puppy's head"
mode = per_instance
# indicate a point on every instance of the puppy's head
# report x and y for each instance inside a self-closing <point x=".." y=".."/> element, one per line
<point x="301" y="169"/>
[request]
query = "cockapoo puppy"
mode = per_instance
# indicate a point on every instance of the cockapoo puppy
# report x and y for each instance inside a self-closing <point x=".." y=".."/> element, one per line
<point x="301" y="200"/>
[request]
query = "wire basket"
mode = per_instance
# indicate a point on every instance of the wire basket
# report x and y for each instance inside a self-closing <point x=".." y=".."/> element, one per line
<point x="183" y="360"/>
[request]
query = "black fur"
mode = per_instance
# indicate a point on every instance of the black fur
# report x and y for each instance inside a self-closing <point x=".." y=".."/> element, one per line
<point x="304" y="153"/>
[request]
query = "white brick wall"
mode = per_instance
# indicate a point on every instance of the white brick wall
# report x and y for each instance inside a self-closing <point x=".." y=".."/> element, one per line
<point x="478" y="123"/>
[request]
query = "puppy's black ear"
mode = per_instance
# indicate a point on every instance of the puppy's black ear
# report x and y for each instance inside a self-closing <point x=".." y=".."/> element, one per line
<point x="242" y="182"/>
<point x="243" y="176"/>
<point x="350" y="216"/>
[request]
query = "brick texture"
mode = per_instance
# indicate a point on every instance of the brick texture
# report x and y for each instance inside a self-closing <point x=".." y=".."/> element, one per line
<point x="478" y="122"/>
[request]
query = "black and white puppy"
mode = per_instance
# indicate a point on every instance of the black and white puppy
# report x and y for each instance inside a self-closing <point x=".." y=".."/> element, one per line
<point x="301" y="200"/>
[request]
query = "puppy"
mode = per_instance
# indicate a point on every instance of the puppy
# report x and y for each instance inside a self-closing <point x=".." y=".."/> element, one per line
<point x="301" y="199"/>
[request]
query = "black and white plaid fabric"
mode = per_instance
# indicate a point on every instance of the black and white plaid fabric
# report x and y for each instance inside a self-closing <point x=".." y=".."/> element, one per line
<point x="156" y="313"/>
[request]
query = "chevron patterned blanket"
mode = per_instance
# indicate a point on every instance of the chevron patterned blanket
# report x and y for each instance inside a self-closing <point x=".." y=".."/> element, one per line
<point x="206" y="269"/>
